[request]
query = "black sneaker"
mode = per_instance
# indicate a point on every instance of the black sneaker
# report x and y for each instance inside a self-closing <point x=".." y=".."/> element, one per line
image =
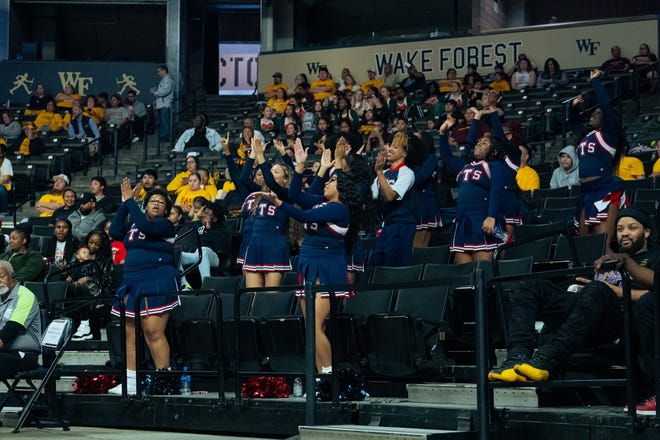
<point x="538" y="368"/>
<point x="506" y="371"/>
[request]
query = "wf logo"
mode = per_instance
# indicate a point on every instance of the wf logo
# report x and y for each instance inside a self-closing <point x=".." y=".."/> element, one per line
<point x="585" y="45"/>
<point x="79" y="83"/>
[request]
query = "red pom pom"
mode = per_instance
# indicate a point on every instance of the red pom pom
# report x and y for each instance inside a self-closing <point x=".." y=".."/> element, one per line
<point x="265" y="387"/>
<point x="99" y="384"/>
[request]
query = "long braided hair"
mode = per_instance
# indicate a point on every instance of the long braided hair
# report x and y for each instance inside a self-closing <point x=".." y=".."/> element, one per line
<point x="349" y="195"/>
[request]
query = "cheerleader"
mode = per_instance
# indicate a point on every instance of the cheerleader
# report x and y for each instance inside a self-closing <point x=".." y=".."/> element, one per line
<point x="330" y="227"/>
<point x="480" y="185"/>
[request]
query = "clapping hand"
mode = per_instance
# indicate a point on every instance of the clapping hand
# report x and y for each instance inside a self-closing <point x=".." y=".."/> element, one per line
<point x="126" y="189"/>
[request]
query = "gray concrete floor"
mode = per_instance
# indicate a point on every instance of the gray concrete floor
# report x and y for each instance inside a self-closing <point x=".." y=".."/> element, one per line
<point x="78" y="432"/>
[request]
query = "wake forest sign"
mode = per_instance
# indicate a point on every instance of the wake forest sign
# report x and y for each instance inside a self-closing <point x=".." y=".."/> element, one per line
<point x="18" y="79"/>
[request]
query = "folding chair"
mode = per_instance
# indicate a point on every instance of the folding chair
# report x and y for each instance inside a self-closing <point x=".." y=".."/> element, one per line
<point x="53" y="344"/>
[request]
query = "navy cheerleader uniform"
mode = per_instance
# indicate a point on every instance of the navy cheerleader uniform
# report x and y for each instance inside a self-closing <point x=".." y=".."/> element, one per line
<point x="509" y="202"/>
<point x="245" y="187"/>
<point x="267" y="250"/>
<point x="149" y="267"/>
<point x="480" y="184"/>
<point x="597" y="150"/>
<point x="322" y="255"/>
<point x="394" y="245"/>
<point x="426" y="202"/>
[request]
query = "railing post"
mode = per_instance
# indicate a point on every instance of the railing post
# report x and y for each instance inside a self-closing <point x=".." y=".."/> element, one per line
<point x="310" y="355"/>
<point x="481" y="322"/>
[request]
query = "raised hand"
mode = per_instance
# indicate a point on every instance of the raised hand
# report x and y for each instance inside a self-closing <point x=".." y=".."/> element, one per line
<point x="126" y="189"/>
<point x="594" y="74"/>
<point x="300" y="153"/>
<point x="279" y="146"/>
<point x="380" y="162"/>
<point x="326" y="159"/>
<point x="224" y="142"/>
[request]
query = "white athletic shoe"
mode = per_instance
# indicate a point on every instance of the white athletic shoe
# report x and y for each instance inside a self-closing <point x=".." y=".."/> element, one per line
<point x="84" y="332"/>
<point x="130" y="381"/>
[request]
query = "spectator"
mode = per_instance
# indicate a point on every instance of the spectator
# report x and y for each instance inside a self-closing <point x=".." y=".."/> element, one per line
<point x="97" y="186"/>
<point x="359" y="103"/>
<point x="61" y="247"/>
<point x="181" y="180"/>
<point x="630" y="168"/>
<point x="372" y="81"/>
<point x="324" y="86"/>
<point x="456" y="95"/>
<point x="399" y="105"/>
<point x="117" y="247"/>
<point x="117" y="115"/>
<point x="199" y="136"/>
<point x="552" y="75"/>
<point x="266" y="123"/>
<point x="204" y="183"/>
<point x="415" y="80"/>
<point x="70" y="205"/>
<point x="471" y="76"/>
<point x="90" y="280"/>
<point x="389" y="79"/>
<point x="192" y="190"/>
<point x="49" y="202"/>
<point x="499" y="67"/>
<point x="31" y="145"/>
<point x="137" y="115"/>
<point x="279" y="101"/>
<point x="93" y="110"/>
<point x="48" y="121"/>
<point x="567" y="174"/>
<point x="6" y="173"/>
<point x="27" y="263"/>
<point x="271" y="89"/>
<point x="147" y="183"/>
<point x="516" y="66"/>
<point x="38" y="100"/>
<point x="645" y="63"/>
<point x="9" y="128"/>
<point x="20" y="328"/>
<point x="164" y="94"/>
<point x="298" y="81"/>
<point x="86" y="217"/>
<point x="500" y="84"/>
<point x="524" y="77"/>
<point x="65" y="98"/>
<point x="349" y="84"/>
<point x="446" y="84"/>
<point x="617" y="63"/>
<point x="82" y="127"/>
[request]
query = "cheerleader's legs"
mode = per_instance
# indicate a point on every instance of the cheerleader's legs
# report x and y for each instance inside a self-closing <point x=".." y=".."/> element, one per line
<point x="472" y="257"/>
<point x="608" y="226"/>
<point x="323" y="348"/>
<point x="262" y="279"/>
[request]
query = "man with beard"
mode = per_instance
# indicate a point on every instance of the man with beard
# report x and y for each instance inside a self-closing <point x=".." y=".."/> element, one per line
<point x="592" y="314"/>
<point x="20" y="325"/>
<point x="86" y="217"/>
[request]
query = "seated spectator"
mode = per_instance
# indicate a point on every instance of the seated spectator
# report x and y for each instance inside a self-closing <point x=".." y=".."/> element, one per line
<point x="6" y="173"/>
<point x="198" y="205"/>
<point x="271" y="89"/>
<point x="31" y="145"/>
<point x="499" y="67"/>
<point x="617" y="63"/>
<point x="181" y="180"/>
<point x="117" y="247"/>
<point x="9" y="128"/>
<point x="20" y="327"/>
<point x="552" y="75"/>
<point x="49" y="202"/>
<point x="86" y="217"/>
<point x="299" y="80"/>
<point x="287" y="118"/>
<point x="62" y="246"/>
<point x="324" y="86"/>
<point x="137" y="115"/>
<point x="456" y="95"/>
<point x="70" y="205"/>
<point x="645" y="63"/>
<point x="372" y="81"/>
<point x="97" y="186"/>
<point x="432" y="94"/>
<point x="65" y="98"/>
<point x="199" y="136"/>
<point x="190" y="192"/>
<point x="28" y="264"/>
<point x="147" y="183"/>
<point x="38" y="100"/>
<point x="415" y="80"/>
<point x="567" y="174"/>
<point x="389" y="79"/>
<point x="266" y="123"/>
<point x="279" y="101"/>
<point x="306" y="97"/>
<point x="359" y="103"/>
<point x="82" y="127"/>
<point x="527" y="178"/>
<point x="48" y="121"/>
<point x="500" y="84"/>
<point x="93" y="110"/>
<point x="117" y="115"/>
<point x="459" y="132"/>
<point x="524" y="77"/>
<point x="630" y="168"/>
<point x="446" y="84"/>
<point x="516" y="66"/>
<point x="471" y="76"/>
<point x="204" y="183"/>
<point x="399" y="105"/>
<point x="345" y="112"/>
<point x="349" y="84"/>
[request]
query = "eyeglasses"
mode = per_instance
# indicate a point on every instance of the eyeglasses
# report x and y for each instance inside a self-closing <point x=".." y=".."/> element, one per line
<point x="157" y="202"/>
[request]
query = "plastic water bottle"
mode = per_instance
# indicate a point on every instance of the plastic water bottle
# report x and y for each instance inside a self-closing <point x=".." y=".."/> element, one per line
<point x="297" y="387"/>
<point x="184" y="387"/>
<point x="501" y="234"/>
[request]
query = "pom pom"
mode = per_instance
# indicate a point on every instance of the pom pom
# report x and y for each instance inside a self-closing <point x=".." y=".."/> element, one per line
<point x="160" y="384"/>
<point x="265" y="387"/>
<point x="98" y="384"/>
<point x="351" y="386"/>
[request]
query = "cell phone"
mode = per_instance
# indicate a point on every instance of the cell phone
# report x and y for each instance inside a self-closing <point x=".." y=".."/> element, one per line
<point x="608" y="265"/>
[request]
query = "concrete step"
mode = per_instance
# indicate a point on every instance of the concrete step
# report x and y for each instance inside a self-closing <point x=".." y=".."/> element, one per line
<point x="466" y="394"/>
<point x="354" y="432"/>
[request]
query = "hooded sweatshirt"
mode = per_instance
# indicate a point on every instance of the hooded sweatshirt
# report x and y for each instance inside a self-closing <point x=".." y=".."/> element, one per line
<point x="562" y="177"/>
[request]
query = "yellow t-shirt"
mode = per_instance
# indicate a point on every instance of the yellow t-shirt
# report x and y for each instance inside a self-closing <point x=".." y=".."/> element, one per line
<point x="272" y="88"/>
<point x="228" y="186"/>
<point x="53" y="120"/>
<point x="630" y="168"/>
<point x="371" y="83"/>
<point x="656" y="166"/>
<point x="528" y="179"/>
<point x="278" y="105"/>
<point x="50" y="198"/>
<point x="186" y="196"/>
<point x="96" y="114"/>
<point x="63" y="100"/>
<point x="320" y="96"/>
<point x="24" y="149"/>
<point x="500" y="86"/>
<point x="177" y="185"/>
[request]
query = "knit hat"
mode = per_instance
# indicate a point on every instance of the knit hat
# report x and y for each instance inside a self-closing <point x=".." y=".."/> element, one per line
<point x="637" y="214"/>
